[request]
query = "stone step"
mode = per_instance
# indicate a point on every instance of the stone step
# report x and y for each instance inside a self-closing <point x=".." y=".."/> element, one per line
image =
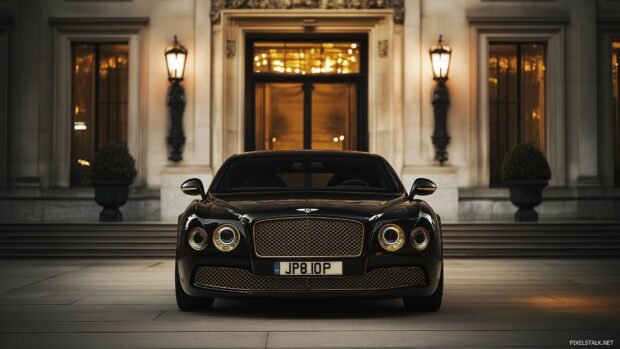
<point x="136" y="239"/>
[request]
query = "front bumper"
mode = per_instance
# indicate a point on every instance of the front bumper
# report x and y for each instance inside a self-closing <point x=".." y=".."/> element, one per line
<point x="384" y="278"/>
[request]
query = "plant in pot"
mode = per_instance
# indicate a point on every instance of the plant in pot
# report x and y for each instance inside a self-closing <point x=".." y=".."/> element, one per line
<point x="526" y="173"/>
<point x="113" y="171"/>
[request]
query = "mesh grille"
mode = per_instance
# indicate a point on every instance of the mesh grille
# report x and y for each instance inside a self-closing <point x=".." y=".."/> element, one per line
<point x="308" y="237"/>
<point x="241" y="279"/>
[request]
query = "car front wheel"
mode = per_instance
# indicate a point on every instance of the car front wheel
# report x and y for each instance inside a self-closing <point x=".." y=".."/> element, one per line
<point x="186" y="302"/>
<point x="430" y="303"/>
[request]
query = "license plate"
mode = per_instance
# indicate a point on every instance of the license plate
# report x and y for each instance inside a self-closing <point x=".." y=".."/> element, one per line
<point x="307" y="268"/>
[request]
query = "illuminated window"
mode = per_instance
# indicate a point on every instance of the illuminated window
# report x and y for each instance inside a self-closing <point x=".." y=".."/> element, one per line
<point x="99" y="103"/>
<point x="306" y="94"/>
<point x="307" y="57"/>
<point x="516" y="100"/>
<point x="615" y="59"/>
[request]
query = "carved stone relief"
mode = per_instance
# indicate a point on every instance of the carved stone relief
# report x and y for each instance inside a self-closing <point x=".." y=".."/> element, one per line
<point x="397" y="5"/>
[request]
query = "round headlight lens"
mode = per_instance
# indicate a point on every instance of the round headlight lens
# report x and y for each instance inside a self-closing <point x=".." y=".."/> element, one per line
<point x="391" y="237"/>
<point x="420" y="237"/>
<point x="226" y="237"/>
<point x="197" y="238"/>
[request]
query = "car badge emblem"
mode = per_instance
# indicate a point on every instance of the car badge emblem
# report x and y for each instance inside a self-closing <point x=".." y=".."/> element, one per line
<point x="307" y="210"/>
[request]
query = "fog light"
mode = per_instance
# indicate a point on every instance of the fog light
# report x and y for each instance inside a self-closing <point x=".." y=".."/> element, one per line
<point x="420" y="237"/>
<point x="197" y="238"/>
<point x="391" y="237"/>
<point x="226" y="237"/>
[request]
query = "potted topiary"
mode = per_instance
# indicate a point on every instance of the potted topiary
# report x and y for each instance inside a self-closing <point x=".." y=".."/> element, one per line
<point x="113" y="171"/>
<point x="526" y="173"/>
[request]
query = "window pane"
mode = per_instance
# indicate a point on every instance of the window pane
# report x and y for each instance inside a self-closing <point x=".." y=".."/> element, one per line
<point x="279" y="120"/>
<point x="83" y="113"/>
<point x="533" y="94"/>
<point x="334" y="114"/>
<point x="112" y="94"/>
<point x="615" y="59"/>
<point x="502" y="104"/>
<point x="516" y="100"/>
<point x="99" y="108"/>
<point x="307" y="57"/>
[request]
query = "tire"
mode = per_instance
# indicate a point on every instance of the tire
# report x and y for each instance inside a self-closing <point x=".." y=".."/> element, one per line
<point x="186" y="302"/>
<point x="430" y="303"/>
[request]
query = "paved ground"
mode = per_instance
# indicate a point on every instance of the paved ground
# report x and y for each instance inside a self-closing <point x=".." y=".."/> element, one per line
<point x="130" y="303"/>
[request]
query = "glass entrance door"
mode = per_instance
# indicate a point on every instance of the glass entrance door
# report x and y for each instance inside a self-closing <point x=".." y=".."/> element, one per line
<point x="306" y="94"/>
<point x="286" y="117"/>
<point x="334" y="116"/>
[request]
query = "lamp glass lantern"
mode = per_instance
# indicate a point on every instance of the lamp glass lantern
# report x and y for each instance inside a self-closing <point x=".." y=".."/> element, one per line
<point x="176" y="56"/>
<point x="440" y="59"/>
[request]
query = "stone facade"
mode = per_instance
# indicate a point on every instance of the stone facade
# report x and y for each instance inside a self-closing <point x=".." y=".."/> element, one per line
<point x="34" y="95"/>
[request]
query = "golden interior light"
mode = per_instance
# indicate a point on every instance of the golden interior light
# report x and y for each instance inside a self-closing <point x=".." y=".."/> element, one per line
<point x="306" y="57"/>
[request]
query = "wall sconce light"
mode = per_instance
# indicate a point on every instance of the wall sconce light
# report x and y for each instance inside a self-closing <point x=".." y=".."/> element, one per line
<point x="176" y="55"/>
<point x="440" y="60"/>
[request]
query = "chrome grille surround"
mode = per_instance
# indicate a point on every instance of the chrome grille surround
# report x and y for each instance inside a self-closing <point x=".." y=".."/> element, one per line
<point x="308" y="237"/>
<point x="244" y="280"/>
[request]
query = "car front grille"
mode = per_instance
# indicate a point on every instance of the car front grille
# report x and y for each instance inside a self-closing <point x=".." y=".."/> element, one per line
<point x="308" y="237"/>
<point x="244" y="280"/>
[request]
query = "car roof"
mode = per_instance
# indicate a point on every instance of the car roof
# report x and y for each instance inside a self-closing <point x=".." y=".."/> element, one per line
<point x="306" y="152"/>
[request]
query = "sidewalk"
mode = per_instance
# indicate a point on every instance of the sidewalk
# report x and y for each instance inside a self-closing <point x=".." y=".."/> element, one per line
<point x="129" y="303"/>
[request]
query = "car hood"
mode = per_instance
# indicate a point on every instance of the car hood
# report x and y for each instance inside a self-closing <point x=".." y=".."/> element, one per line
<point x="353" y="205"/>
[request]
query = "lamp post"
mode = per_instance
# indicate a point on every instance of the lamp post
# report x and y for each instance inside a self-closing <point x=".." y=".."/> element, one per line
<point x="175" y="62"/>
<point x="440" y="60"/>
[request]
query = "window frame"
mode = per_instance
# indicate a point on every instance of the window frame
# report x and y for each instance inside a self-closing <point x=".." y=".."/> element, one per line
<point x="359" y="79"/>
<point x="519" y="94"/>
<point x="552" y="35"/>
<point x="111" y="30"/>
<point x="96" y="95"/>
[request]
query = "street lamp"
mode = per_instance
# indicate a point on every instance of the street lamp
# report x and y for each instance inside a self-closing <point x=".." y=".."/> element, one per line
<point x="176" y="55"/>
<point x="440" y="60"/>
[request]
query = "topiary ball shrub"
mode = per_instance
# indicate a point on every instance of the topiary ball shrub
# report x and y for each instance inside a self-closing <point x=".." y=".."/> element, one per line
<point x="113" y="163"/>
<point x="525" y="162"/>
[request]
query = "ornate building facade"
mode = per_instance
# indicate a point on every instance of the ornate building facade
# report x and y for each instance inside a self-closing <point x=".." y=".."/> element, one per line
<point x="295" y="74"/>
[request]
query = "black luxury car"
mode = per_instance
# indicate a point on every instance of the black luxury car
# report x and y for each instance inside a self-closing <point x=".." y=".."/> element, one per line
<point x="308" y="224"/>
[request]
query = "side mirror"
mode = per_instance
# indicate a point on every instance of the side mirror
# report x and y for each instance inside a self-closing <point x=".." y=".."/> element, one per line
<point x="421" y="187"/>
<point x="193" y="187"/>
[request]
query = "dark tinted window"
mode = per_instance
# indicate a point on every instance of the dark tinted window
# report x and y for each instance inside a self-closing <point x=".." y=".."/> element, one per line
<point x="332" y="173"/>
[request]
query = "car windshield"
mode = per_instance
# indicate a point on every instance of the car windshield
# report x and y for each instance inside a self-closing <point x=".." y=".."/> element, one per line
<point x="315" y="173"/>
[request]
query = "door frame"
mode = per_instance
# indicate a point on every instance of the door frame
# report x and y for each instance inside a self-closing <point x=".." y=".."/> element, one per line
<point x="360" y="79"/>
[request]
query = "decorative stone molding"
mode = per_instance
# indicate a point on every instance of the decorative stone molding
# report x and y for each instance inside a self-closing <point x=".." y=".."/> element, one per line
<point x="228" y="104"/>
<point x="231" y="46"/>
<point x="383" y="46"/>
<point x="397" y="5"/>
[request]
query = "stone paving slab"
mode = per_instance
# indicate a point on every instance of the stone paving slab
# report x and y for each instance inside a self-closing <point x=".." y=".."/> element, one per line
<point x="114" y="303"/>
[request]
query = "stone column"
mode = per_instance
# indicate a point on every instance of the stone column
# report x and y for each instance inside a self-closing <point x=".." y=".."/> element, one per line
<point x="581" y="92"/>
<point x="24" y="80"/>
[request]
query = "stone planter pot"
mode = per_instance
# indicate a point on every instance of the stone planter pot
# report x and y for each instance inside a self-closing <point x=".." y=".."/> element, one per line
<point x="111" y="195"/>
<point x="526" y="194"/>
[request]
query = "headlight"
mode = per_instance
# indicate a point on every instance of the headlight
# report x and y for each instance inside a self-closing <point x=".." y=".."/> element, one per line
<point x="197" y="238"/>
<point x="420" y="237"/>
<point x="226" y="237"/>
<point x="391" y="237"/>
